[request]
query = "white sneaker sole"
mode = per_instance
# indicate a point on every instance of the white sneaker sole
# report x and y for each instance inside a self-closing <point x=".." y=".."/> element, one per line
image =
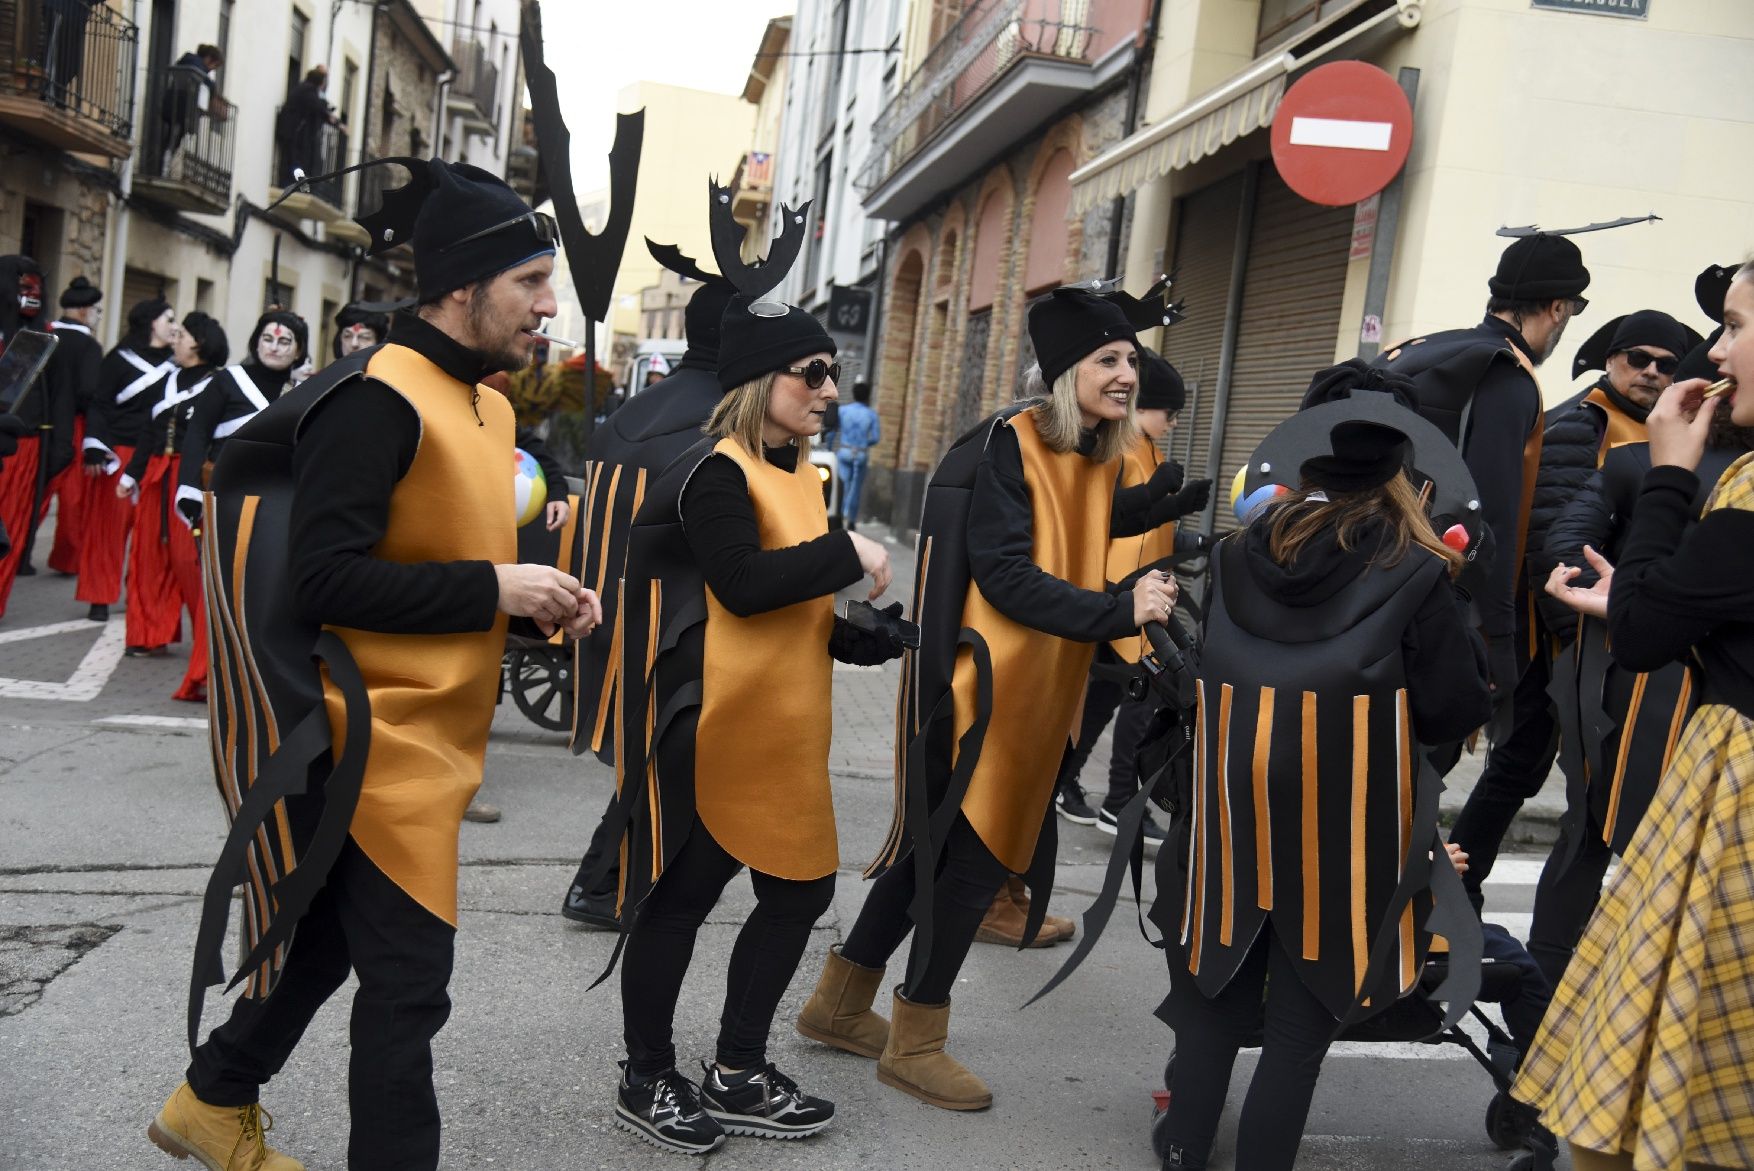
<point x="630" y="1122"/>
<point x="1074" y="818"/>
<point x="754" y="1127"/>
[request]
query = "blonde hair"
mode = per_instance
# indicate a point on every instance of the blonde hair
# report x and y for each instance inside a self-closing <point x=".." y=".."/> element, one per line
<point x="1299" y="516"/>
<point x="742" y="413"/>
<point x="1061" y="425"/>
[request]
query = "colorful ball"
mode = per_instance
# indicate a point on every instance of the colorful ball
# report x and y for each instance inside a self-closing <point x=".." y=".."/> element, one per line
<point x="1254" y="501"/>
<point x="530" y="488"/>
<point x="1236" y="487"/>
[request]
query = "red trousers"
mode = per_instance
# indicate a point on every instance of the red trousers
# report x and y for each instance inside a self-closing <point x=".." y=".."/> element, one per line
<point x="18" y="486"/>
<point x="164" y="574"/>
<point x="103" y="524"/>
<point x="67" y="488"/>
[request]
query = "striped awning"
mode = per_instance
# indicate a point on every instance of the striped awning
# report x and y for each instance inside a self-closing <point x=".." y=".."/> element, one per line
<point x="1243" y="104"/>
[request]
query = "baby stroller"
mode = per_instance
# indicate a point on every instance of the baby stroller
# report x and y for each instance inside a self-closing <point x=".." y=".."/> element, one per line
<point x="538" y="673"/>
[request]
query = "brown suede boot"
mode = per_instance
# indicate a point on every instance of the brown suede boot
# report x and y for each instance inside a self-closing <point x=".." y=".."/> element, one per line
<point x="1005" y="919"/>
<point x="914" y="1061"/>
<point x="1056" y="927"/>
<point x="839" y="1012"/>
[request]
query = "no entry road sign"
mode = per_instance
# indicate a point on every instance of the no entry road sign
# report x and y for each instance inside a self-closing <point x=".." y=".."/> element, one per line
<point x="1341" y="133"/>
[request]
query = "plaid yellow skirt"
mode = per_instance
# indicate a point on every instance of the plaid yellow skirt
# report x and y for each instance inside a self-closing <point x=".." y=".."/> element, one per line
<point x="1648" y="1047"/>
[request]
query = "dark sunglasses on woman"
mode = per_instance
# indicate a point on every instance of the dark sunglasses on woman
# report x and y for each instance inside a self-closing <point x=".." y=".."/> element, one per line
<point x="816" y="373"/>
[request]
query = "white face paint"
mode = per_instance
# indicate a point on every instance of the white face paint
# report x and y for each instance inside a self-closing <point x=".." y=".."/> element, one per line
<point x="277" y="348"/>
<point x="357" y="337"/>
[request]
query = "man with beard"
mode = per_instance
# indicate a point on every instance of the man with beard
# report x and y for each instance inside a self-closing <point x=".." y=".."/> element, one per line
<point x="236" y="395"/>
<point x="1478" y="385"/>
<point x="366" y="520"/>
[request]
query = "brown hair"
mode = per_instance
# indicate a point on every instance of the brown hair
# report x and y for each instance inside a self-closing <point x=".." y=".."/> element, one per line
<point x="1297" y="518"/>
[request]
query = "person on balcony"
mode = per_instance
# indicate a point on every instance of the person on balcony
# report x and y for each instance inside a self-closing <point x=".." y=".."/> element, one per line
<point x="188" y="97"/>
<point x="63" y="54"/>
<point x="298" y="131"/>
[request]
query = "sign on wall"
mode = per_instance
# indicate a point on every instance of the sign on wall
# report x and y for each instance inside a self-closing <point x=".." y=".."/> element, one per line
<point x="1341" y="133"/>
<point x="849" y="310"/>
<point x="1631" y="9"/>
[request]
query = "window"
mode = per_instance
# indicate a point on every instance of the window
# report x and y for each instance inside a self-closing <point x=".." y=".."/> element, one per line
<point x="275" y="295"/>
<point x="295" y="49"/>
<point x="1283" y="19"/>
<point x="349" y="84"/>
<point x="204" y="294"/>
<point x="224" y="41"/>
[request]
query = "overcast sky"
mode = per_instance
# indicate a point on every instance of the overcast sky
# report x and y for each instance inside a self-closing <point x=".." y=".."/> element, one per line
<point x="596" y="47"/>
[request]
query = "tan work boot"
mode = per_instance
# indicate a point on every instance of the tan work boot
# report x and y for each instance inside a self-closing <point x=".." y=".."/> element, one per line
<point x="1055" y="927"/>
<point x="1004" y="922"/>
<point x="839" y="1012"/>
<point x="914" y="1061"/>
<point x="223" y="1138"/>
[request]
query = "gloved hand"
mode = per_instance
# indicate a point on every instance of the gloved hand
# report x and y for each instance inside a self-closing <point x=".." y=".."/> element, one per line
<point x="190" y="511"/>
<point x="864" y="648"/>
<point x="1193" y="497"/>
<point x="1166" y="480"/>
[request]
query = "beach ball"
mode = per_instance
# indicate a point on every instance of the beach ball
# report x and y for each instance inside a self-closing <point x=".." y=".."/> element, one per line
<point x="530" y="488"/>
<point x="1236" y="489"/>
<point x="1250" y="504"/>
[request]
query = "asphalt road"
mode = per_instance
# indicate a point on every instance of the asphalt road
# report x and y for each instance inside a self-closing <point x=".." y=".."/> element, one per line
<point x="109" y="821"/>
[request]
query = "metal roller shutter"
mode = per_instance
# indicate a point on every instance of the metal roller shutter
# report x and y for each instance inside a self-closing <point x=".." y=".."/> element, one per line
<point x="1204" y="246"/>
<point x="1291" y="296"/>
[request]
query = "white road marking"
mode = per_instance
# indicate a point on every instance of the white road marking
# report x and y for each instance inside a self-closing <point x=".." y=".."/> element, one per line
<point x="87" y="680"/>
<point x="1515" y="872"/>
<point x="1344" y="133"/>
<point x="155" y="721"/>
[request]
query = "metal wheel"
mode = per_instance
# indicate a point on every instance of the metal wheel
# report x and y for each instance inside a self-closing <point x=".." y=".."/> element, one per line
<point x="540" y="680"/>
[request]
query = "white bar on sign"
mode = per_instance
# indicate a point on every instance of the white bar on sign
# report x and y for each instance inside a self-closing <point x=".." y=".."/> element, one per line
<point x="1341" y="132"/>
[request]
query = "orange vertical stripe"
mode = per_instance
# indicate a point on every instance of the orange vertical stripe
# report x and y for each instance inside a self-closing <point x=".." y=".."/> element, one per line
<point x="1404" y="745"/>
<point x="1360" y="775"/>
<point x="1312" y="840"/>
<point x="1628" y="728"/>
<point x="1263" y="813"/>
<point x="1194" y="914"/>
<point x="608" y="525"/>
<point x="1226" y="857"/>
<point x="656" y="603"/>
<point x="1679" y="719"/>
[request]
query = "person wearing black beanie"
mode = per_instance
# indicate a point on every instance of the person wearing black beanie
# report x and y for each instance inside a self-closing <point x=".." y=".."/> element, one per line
<point x="1028" y="502"/>
<point x="732" y="549"/>
<point x="365" y="519"/>
<point x="115" y="421"/>
<point x="358" y="328"/>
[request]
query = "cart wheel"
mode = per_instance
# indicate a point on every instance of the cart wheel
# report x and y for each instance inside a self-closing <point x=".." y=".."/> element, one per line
<point x="1501" y="1124"/>
<point x="541" y="686"/>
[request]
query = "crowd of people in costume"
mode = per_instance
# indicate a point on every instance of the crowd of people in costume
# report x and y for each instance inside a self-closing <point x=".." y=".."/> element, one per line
<point x="1422" y="552"/>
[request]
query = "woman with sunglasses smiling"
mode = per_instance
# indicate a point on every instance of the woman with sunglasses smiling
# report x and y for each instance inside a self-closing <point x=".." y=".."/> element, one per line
<point x="729" y="628"/>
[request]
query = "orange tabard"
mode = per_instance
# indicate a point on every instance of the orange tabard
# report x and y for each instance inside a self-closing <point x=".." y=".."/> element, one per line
<point x="761" y="747"/>
<point x="1127" y="554"/>
<point x="432" y="695"/>
<point x="1038" y="679"/>
<point x="1618" y="429"/>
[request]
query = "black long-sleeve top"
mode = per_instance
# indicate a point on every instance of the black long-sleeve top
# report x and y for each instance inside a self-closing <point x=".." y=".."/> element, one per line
<point x="221" y="410"/>
<point x="354" y="448"/>
<point x="167" y="425"/>
<point x="64" y="391"/>
<point x="1506" y="408"/>
<point x="718" y="521"/>
<point x="1677" y="590"/>
<point x="111" y="424"/>
<point x="1000" y="541"/>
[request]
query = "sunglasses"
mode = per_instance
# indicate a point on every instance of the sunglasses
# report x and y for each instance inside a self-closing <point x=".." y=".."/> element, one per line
<point x="546" y="230"/>
<point x="1639" y="359"/>
<point x="1579" y="304"/>
<point x="816" y="373"/>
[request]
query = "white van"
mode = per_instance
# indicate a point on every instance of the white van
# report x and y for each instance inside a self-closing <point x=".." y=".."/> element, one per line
<point x="658" y="354"/>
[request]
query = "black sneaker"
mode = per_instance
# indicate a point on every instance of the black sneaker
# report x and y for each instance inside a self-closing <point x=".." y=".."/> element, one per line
<point x="1072" y="806"/>
<point x="98" y="613"/>
<point x="666" y="1112"/>
<point x="595" y="911"/>
<point x="1109" y="822"/>
<point x="762" y="1102"/>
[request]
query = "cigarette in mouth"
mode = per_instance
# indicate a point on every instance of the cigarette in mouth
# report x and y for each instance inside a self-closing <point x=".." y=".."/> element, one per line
<point x="559" y="341"/>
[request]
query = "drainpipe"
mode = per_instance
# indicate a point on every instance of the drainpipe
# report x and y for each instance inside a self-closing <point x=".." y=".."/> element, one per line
<point x="119" y="241"/>
<point x="438" y="111"/>
<point x="1135" y="89"/>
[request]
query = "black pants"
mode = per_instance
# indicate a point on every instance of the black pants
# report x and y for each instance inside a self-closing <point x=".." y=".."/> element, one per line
<point x="1295" y="1034"/>
<point x="603" y="844"/>
<point x="1515" y="771"/>
<point x="968" y="877"/>
<point x="1101" y="697"/>
<point x="763" y="960"/>
<point x="1566" y="897"/>
<point x="363" y="922"/>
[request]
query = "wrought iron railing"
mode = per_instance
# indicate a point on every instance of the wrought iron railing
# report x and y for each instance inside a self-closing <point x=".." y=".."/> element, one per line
<point x="988" y="39"/>
<point x="71" y="55"/>
<point x="188" y="132"/>
<point x="315" y="150"/>
<point x="477" y="79"/>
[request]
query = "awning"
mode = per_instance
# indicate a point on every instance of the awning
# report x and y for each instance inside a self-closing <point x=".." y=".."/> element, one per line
<point x="1243" y="104"/>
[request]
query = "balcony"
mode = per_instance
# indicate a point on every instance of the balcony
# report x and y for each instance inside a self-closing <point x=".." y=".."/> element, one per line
<point x="318" y="150"/>
<point x="186" y="148"/>
<point x="474" y="92"/>
<point x="67" y="75"/>
<point x="752" y="189"/>
<point x="1001" y="72"/>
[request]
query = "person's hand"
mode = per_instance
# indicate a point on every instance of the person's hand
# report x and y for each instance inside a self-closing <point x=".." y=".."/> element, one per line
<point x="126" y="487"/>
<point x="1154" y="597"/>
<point x="588" y="618"/>
<point x="557" y="512"/>
<point x="874" y="560"/>
<point x="541" y="592"/>
<point x="1193" y="497"/>
<point x="1592" y="601"/>
<point x="1166" y="480"/>
<point x="1458" y="857"/>
<point x="1678" y="424"/>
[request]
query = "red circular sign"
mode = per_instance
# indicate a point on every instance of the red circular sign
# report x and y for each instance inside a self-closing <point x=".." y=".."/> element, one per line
<point x="1341" y="133"/>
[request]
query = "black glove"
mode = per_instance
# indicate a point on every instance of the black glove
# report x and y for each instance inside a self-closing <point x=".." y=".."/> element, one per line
<point x="191" y="511"/>
<point x="864" y="648"/>
<point x="93" y="458"/>
<point x="1193" y="497"/>
<point x="1166" y="480"/>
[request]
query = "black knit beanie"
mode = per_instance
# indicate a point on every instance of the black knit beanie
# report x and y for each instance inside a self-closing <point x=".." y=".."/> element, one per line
<point x="751" y="345"/>
<point x="1160" y="384"/>
<point x="702" y="319"/>
<point x="463" y="201"/>
<point x="1071" y="323"/>
<point x="1540" y="268"/>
